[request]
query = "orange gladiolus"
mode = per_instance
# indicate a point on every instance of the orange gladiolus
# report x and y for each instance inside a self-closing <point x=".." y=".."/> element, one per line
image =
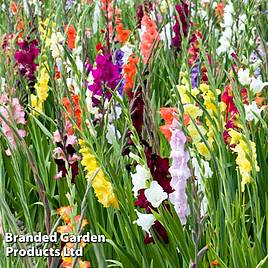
<point x="67" y="262"/>
<point x="84" y="221"/>
<point x="214" y="263"/>
<point x="57" y="73"/>
<point x="65" y="212"/>
<point x="13" y="7"/>
<point x="166" y="131"/>
<point x="259" y="100"/>
<point x="76" y="112"/>
<point x="71" y="32"/>
<point x="149" y="37"/>
<point x="114" y="13"/>
<point x="122" y="35"/>
<point x="64" y="229"/>
<point x="167" y="114"/>
<point x="104" y="3"/>
<point x="130" y="71"/>
<point x="186" y="119"/>
<point x="219" y="11"/>
<point x="84" y="264"/>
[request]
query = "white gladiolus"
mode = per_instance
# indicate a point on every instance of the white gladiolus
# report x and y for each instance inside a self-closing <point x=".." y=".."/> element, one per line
<point x="244" y="77"/>
<point x="257" y="85"/>
<point x="128" y="50"/>
<point x="139" y="179"/>
<point x="56" y="47"/>
<point x="166" y="34"/>
<point x="253" y="112"/>
<point x="112" y="133"/>
<point x="225" y="39"/>
<point x="145" y="221"/>
<point x="155" y="194"/>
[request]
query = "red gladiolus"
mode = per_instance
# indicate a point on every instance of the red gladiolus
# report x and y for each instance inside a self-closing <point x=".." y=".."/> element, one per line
<point x="71" y="32"/>
<point x="130" y="71"/>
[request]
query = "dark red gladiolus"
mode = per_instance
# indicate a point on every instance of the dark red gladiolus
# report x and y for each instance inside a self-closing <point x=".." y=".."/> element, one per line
<point x="136" y="110"/>
<point x="159" y="169"/>
<point x="182" y="15"/>
<point x="160" y="231"/>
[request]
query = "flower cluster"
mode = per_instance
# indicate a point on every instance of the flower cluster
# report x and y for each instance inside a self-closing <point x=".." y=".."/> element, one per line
<point x="226" y="38"/>
<point x="198" y="70"/>
<point x="119" y="60"/>
<point x="143" y="9"/>
<point x="71" y="222"/>
<point x="73" y="110"/>
<point x="12" y="114"/>
<point x="150" y="195"/>
<point x="130" y="71"/>
<point x="56" y="45"/>
<point x="219" y="11"/>
<point x="64" y="154"/>
<point x="102" y="187"/>
<point x="210" y="102"/>
<point x="192" y="113"/>
<point x="181" y="18"/>
<point x="230" y="111"/>
<point x="180" y="173"/>
<point x="25" y="57"/>
<point x="115" y="14"/>
<point x="151" y="182"/>
<point x="246" y="159"/>
<point x="179" y="169"/>
<point x="149" y="37"/>
<point x="71" y="35"/>
<point x="105" y="76"/>
<point x="45" y="28"/>
<point x="168" y="115"/>
<point x="41" y="89"/>
<point x="230" y="28"/>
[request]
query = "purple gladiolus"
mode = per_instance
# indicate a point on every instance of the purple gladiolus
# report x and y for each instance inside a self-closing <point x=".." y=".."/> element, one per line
<point x="194" y="75"/>
<point x="69" y="4"/>
<point x="119" y="54"/>
<point x="106" y="75"/>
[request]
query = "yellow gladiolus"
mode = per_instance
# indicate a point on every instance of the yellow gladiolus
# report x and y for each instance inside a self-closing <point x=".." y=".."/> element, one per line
<point x="102" y="187"/>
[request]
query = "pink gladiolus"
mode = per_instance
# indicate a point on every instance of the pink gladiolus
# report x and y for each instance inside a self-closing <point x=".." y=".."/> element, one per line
<point x="149" y="37"/>
<point x="12" y="112"/>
